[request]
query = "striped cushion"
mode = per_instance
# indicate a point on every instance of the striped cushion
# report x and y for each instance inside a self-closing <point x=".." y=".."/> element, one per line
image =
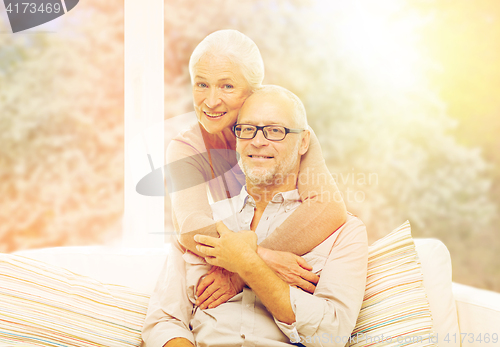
<point x="44" y="305"/>
<point x="395" y="310"/>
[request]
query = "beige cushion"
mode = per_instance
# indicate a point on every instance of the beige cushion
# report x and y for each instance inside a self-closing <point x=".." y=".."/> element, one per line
<point x="436" y="266"/>
<point x="395" y="308"/>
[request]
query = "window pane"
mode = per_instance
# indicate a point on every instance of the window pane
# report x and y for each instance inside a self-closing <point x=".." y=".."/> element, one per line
<point x="61" y="143"/>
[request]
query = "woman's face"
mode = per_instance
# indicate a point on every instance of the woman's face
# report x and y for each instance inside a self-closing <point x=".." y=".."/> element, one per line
<point x="219" y="91"/>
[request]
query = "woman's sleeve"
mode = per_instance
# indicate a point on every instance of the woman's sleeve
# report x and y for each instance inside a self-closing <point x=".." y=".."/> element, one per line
<point x="187" y="184"/>
<point x="322" y="210"/>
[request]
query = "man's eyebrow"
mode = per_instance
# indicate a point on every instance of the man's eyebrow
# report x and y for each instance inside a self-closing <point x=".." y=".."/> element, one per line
<point x="251" y="122"/>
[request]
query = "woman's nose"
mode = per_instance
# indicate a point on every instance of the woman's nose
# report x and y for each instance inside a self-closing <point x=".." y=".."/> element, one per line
<point x="213" y="98"/>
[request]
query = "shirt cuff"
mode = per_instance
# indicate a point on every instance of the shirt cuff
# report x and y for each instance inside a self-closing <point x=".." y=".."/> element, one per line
<point x="309" y="311"/>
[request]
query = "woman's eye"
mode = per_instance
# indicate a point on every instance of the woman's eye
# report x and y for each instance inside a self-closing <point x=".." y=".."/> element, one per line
<point x="228" y="86"/>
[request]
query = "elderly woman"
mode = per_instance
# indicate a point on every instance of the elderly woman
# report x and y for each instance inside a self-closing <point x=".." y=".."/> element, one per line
<point x="226" y="67"/>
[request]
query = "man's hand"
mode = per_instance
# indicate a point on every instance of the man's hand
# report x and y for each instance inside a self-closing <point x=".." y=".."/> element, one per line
<point x="230" y="250"/>
<point x="178" y="342"/>
<point x="291" y="268"/>
<point x="217" y="287"/>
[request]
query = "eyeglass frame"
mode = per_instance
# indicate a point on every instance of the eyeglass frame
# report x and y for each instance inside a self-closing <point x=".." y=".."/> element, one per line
<point x="287" y="131"/>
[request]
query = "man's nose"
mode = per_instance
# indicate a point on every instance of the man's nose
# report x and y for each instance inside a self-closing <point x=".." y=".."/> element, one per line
<point x="259" y="139"/>
<point x="213" y="98"/>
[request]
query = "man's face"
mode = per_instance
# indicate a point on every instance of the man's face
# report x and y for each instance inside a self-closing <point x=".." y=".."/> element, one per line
<point x="219" y="90"/>
<point x="264" y="161"/>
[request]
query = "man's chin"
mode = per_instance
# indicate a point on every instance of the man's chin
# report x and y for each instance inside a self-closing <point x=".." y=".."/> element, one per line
<point x="260" y="177"/>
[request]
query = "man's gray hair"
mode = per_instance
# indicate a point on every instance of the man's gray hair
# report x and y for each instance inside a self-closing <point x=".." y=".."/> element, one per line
<point x="237" y="47"/>
<point x="300" y="116"/>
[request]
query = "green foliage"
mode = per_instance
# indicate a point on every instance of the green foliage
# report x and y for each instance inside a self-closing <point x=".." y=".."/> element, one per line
<point x="367" y="123"/>
<point x="385" y="132"/>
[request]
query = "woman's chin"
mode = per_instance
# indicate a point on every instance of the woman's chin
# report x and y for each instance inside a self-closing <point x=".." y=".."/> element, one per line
<point x="215" y="125"/>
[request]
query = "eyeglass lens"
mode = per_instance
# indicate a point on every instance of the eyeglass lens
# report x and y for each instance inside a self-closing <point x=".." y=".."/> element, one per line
<point x="271" y="132"/>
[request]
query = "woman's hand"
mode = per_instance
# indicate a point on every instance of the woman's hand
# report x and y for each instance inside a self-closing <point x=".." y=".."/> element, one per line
<point x="217" y="287"/>
<point x="291" y="268"/>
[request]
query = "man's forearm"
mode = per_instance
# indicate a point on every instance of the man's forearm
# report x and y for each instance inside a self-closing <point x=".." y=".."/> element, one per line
<point x="271" y="290"/>
<point x="237" y="252"/>
<point x="179" y="342"/>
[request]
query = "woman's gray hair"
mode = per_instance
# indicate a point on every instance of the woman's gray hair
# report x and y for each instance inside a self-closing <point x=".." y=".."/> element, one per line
<point x="237" y="47"/>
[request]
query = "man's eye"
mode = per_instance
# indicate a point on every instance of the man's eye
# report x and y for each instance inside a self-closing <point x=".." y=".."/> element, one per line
<point x="201" y="85"/>
<point x="248" y="129"/>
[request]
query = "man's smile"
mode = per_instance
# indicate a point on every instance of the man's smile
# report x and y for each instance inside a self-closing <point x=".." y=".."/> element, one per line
<point x="256" y="156"/>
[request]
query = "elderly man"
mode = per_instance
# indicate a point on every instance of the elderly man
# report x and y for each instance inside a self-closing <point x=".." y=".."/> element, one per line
<point x="272" y="137"/>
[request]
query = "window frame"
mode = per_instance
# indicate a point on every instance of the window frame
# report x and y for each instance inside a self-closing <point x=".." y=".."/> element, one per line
<point x="144" y="216"/>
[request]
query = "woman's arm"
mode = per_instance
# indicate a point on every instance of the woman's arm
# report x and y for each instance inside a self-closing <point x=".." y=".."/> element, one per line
<point x="187" y="174"/>
<point x="322" y="210"/>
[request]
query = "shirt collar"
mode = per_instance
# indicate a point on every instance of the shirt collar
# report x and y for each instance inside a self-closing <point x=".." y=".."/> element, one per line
<point x="283" y="197"/>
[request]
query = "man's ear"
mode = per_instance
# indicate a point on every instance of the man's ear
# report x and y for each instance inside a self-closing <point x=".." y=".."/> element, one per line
<point x="305" y="136"/>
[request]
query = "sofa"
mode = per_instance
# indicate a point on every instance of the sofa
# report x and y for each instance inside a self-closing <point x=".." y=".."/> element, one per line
<point x="466" y="314"/>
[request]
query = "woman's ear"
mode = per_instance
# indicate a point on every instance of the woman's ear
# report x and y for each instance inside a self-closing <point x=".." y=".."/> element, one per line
<point x="305" y="136"/>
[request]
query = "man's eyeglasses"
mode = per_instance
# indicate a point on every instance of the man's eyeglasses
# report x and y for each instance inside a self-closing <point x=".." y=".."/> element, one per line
<point x="271" y="132"/>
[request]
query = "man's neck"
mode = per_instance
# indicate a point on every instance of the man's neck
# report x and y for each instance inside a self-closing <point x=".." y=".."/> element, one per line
<point x="262" y="194"/>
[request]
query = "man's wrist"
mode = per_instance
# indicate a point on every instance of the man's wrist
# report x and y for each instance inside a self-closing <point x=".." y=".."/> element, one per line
<point x="250" y="263"/>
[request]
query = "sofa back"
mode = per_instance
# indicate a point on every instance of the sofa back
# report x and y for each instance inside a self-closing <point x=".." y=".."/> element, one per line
<point x="136" y="268"/>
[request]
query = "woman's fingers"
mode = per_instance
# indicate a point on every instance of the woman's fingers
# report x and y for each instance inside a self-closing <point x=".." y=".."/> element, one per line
<point x="217" y="287"/>
<point x="204" y="283"/>
<point x="207" y="293"/>
<point x="303" y="263"/>
<point x="301" y="278"/>
<point x="295" y="280"/>
<point x="309" y="276"/>
<point x="215" y="295"/>
<point x="307" y="286"/>
<point x="222" y="299"/>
